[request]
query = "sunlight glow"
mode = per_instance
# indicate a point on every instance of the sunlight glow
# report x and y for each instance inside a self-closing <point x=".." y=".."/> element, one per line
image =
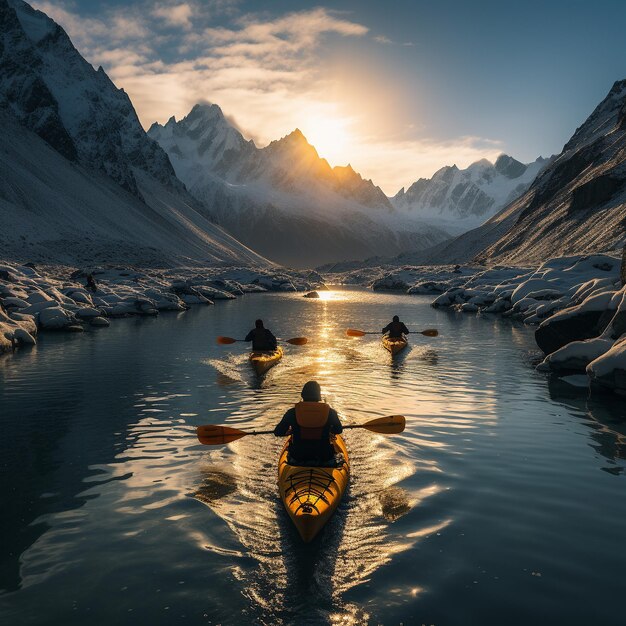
<point x="330" y="137"/>
<point x="327" y="295"/>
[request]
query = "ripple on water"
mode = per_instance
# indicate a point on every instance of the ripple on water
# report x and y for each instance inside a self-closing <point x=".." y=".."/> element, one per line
<point x="123" y="507"/>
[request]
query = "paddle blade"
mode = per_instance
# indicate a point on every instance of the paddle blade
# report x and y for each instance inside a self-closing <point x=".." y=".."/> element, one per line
<point x="298" y="341"/>
<point x="430" y="332"/>
<point x="351" y="332"/>
<point x="225" y="340"/>
<point x="218" y="435"/>
<point x="390" y="425"/>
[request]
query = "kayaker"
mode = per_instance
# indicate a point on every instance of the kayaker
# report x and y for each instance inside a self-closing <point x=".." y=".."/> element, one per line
<point x="395" y="328"/>
<point x="261" y="338"/>
<point x="311" y="424"/>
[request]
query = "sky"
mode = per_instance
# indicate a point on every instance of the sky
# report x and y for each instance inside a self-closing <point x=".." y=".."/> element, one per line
<point x="397" y="89"/>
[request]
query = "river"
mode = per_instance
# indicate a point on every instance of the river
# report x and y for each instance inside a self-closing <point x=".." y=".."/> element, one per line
<point x="503" y="502"/>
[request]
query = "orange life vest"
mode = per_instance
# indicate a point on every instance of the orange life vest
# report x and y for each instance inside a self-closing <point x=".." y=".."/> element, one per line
<point x="312" y="417"/>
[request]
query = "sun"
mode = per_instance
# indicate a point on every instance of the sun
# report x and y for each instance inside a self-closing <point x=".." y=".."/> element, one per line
<point x="330" y="137"/>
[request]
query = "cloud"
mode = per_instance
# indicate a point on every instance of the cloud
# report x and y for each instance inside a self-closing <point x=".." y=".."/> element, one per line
<point x="264" y="71"/>
<point x="382" y="39"/>
<point x="178" y="15"/>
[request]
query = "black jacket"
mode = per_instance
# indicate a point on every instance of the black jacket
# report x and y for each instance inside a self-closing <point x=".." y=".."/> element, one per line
<point x="396" y="329"/>
<point x="307" y="449"/>
<point x="262" y="339"/>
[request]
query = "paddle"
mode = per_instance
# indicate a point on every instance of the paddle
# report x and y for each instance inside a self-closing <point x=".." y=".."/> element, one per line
<point x="210" y="435"/>
<point x="429" y="332"/>
<point x="296" y="341"/>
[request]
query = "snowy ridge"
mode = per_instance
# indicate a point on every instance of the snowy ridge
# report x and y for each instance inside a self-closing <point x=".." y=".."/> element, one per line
<point x="462" y="199"/>
<point x="284" y="199"/>
<point x="52" y="90"/>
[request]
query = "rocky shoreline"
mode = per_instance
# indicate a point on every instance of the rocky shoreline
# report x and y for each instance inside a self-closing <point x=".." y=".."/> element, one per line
<point x="578" y="304"/>
<point x="58" y="299"/>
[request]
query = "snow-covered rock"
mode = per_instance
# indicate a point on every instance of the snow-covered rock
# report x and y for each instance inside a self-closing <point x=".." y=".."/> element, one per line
<point x="16" y="303"/>
<point x="23" y="337"/>
<point x="56" y="318"/>
<point x="576" y="355"/>
<point x="609" y="370"/>
<point x="88" y="312"/>
<point x="62" y="303"/>
<point x="582" y="321"/>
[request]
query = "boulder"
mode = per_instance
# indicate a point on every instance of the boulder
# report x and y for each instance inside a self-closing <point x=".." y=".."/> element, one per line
<point x="311" y="294"/>
<point x="16" y="303"/>
<point x="577" y="355"/>
<point x="574" y="323"/>
<point x="38" y="296"/>
<point x="33" y="309"/>
<point x="469" y="307"/>
<point x="81" y="296"/>
<point x="23" y="337"/>
<point x="99" y="321"/>
<point x="167" y="304"/>
<point x="88" y="312"/>
<point x="56" y="318"/>
<point x="609" y="370"/>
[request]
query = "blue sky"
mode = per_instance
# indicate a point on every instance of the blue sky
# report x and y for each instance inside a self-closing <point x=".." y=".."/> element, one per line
<point x="397" y="88"/>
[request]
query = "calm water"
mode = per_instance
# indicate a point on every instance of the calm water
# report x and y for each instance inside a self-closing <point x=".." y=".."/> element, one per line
<point x="503" y="502"/>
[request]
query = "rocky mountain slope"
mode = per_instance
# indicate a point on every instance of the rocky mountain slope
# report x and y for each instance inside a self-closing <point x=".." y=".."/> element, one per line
<point x="462" y="199"/>
<point x="577" y="204"/>
<point x="87" y="183"/>
<point x="56" y="211"/>
<point x="284" y="199"/>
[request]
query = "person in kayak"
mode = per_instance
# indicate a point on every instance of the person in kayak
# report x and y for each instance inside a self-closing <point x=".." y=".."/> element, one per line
<point x="395" y="329"/>
<point x="311" y="424"/>
<point x="261" y="338"/>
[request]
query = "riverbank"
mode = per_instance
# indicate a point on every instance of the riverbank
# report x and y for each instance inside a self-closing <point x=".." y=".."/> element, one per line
<point x="57" y="298"/>
<point x="578" y="304"/>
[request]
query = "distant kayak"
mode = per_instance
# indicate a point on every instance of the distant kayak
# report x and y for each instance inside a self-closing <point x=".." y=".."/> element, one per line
<point x="262" y="361"/>
<point x="395" y="344"/>
<point x="311" y="494"/>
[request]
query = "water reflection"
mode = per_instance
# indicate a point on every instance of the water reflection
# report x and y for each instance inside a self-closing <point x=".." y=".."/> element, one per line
<point x="111" y="496"/>
<point x="606" y="418"/>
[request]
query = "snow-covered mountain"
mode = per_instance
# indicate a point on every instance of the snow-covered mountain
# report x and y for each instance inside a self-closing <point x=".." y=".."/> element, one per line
<point x="577" y="204"/>
<point x="56" y="211"/>
<point x="459" y="200"/>
<point x="53" y="91"/>
<point x="80" y="180"/>
<point x="285" y="200"/>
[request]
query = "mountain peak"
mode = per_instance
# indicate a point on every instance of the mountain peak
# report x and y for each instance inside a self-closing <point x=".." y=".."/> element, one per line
<point x="481" y="163"/>
<point x="509" y="167"/>
<point x="296" y="136"/>
<point x="205" y="110"/>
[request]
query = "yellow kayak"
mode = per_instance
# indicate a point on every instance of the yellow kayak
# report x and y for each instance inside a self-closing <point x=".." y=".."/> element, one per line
<point x="395" y="344"/>
<point x="311" y="494"/>
<point x="262" y="361"/>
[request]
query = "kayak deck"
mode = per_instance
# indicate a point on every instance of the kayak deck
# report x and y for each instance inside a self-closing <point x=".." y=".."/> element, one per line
<point x="262" y="361"/>
<point x="311" y="494"/>
<point x="395" y="344"/>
